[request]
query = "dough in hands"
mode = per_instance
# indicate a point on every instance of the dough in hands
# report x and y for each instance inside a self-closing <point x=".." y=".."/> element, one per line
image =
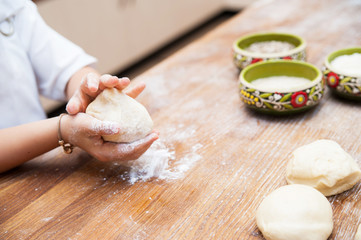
<point x="114" y="105"/>
<point x="323" y="165"/>
<point x="295" y="212"/>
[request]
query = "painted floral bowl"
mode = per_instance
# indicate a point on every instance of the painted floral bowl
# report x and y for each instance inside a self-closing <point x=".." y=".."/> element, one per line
<point x="259" y="47"/>
<point x="341" y="81"/>
<point x="283" y="95"/>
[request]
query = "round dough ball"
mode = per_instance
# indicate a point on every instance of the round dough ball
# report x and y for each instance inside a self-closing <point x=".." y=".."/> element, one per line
<point x="296" y="212"/>
<point x="358" y="233"/>
<point x="323" y="165"/>
<point x="114" y="105"/>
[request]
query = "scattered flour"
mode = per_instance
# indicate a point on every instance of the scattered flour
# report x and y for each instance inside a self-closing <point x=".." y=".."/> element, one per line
<point x="174" y="134"/>
<point x="47" y="219"/>
<point x="160" y="162"/>
<point x="349" y="65"/>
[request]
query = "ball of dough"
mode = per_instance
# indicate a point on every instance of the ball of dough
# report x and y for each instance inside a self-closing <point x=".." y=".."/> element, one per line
<point x="296" y="212"/>
<point x="114" y="105"/>
<point x="323" y="165"/>
<point x="358" y="233"/>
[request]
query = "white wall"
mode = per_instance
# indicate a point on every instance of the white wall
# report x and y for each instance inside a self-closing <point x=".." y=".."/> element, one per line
<point x="237" y="4"/>
<point x="121" y="32"/>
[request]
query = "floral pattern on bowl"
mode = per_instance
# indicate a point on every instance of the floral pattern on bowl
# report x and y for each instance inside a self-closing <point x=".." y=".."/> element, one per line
<point x="293" y="100"/>
<point x="342" y="84"/>
<point x="275" y="101"/>
<point x="242" y="61"/>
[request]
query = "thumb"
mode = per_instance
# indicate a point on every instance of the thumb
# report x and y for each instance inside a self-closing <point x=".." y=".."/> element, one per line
<point x="73" y="106"/>
<point x="105" y="127"/>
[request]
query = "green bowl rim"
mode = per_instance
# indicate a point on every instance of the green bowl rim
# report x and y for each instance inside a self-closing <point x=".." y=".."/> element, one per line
<point x="313" y="82"/>
<point x="239" y="50"/>
<point x="338" y="53"/>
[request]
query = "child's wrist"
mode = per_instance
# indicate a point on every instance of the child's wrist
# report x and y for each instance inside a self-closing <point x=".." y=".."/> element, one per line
<point x="67" y="147"/>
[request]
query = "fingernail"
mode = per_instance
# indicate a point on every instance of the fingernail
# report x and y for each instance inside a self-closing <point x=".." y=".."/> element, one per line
<point x="154" y="136"/>
<point x="124" y="80"/>
<point x="92" y="83"/>
<point x="68" y="109"/>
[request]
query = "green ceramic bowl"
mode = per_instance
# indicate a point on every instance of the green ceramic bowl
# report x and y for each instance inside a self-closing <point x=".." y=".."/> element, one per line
<point x="290" y="99"/>
<point x="242" y="57"/>
<point x="340" y="82"/>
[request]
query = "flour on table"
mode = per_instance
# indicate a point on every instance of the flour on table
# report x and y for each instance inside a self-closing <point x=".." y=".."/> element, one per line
<point x="47" y="219"/>
<point x="160" y="162"/>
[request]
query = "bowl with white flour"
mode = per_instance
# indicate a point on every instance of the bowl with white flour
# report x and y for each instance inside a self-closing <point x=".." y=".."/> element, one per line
<point x="281" y="87"/>
<point x="267" y="46"/>
<point x="342" y="72"/>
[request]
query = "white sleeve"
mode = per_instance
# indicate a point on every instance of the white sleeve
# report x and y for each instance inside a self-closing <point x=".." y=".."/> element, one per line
<point x="54" y="58"/>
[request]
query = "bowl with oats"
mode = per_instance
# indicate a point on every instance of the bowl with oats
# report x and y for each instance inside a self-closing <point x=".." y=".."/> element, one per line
<point x="281" y="86"/>
<point x="342" y="72"/>
<point x="260" y="47"/>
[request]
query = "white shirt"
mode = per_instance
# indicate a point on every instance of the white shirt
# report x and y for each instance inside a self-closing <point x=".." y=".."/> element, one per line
<point x="33" y="60"/>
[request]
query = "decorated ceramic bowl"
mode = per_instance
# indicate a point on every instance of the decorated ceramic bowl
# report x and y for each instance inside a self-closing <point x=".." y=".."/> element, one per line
<point x="342" y="72"/>
<point x="268" y="46"/>
<point x="281" y="86"/>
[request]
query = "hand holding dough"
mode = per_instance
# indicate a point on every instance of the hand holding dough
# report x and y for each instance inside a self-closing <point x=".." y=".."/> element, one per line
<point x="323" y="165"/>
<point x="295" y="212"/>
<point x="114" y="105"/>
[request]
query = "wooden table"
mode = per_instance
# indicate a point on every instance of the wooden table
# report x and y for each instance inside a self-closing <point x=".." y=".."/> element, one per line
<point x="239" y="156"/>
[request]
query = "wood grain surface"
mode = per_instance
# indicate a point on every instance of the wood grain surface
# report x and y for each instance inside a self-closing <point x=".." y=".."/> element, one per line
<point x="241" y="155"/>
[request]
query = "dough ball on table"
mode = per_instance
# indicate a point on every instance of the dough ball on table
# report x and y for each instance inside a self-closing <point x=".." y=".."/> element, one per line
<point x="114" y="105"/>
<point x="358" y="233"/>
<point x="295" y="212"/>
<point x="323" y="165"/>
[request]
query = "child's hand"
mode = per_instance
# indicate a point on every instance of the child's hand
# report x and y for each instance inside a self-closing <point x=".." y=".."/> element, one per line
<point x="90" y="87"/>
<point x="85" y="132"/>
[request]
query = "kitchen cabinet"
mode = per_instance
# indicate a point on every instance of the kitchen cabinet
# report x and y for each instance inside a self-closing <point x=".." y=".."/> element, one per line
<point x="122" y="32"/>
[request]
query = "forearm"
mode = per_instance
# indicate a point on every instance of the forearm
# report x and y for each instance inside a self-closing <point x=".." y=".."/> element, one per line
<point x="75" y="80"/>
<point x="23" y="143"/>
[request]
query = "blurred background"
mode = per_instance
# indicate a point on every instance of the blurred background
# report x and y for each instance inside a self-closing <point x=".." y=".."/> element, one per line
<point x="130" y="36"/>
